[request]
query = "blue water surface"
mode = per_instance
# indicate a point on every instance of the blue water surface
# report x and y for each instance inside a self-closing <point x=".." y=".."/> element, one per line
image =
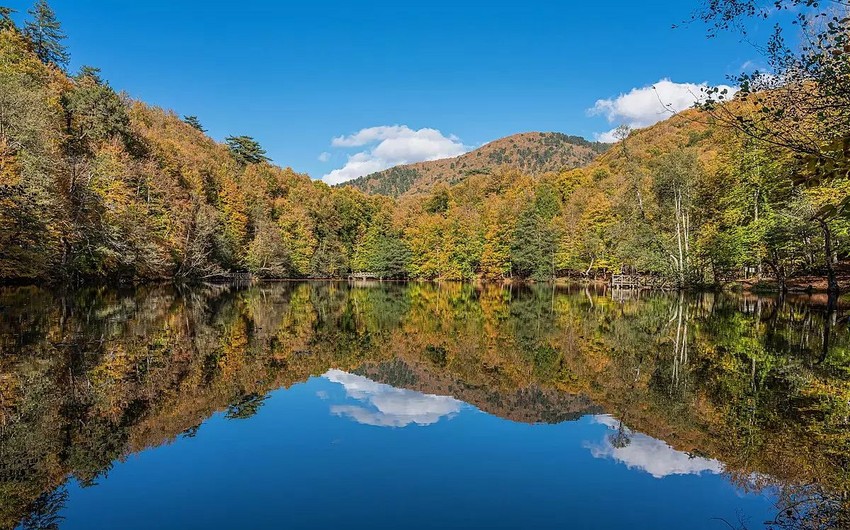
<point x="342" y="451"/>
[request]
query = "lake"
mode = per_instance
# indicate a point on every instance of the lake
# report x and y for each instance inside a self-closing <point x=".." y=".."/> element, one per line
<point x="319" y="405"/>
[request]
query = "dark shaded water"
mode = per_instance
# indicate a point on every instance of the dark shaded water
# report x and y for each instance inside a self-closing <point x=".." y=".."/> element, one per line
<point x="314" y="405"/>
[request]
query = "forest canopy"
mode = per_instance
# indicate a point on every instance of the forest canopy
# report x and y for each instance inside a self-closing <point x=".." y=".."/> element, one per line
<point x="95" y="185"/>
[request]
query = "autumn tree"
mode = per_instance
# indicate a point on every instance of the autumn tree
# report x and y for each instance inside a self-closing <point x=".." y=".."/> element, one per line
<point x="496" y="253"/>
<point x="802" y="103"/>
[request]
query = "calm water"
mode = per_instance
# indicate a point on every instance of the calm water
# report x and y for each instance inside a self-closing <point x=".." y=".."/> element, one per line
<point x="299" y="405"/>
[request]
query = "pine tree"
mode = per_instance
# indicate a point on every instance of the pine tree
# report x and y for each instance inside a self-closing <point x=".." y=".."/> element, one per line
<point x="46" y="35"/>
<point x="194" y="122"/>
<point x="6" y="21"/>
<point x="91" y="72"/>
<point x="246" y="150"/>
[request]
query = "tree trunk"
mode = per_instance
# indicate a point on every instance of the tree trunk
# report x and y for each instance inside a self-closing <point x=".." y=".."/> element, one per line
<point x="681" y="261"/>
<point x="779" y="273"/>
<point x="832" y="281"/>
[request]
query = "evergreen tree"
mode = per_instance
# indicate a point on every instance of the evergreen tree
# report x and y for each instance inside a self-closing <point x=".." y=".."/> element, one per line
<point x="246" y="150"/>
<point x="46" y="35"/>
<point x="532" y="247"/>
<point x="6" y="21"/>
<point x="381" y="252"/>
<point x="93" y="112"/>
<point x="194" y="122"/>
<point x="90" y="72"/>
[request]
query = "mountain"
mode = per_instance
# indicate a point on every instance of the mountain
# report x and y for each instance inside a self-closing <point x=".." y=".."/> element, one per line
<point x="532" y="404"/>
<point x="532" y="153"/>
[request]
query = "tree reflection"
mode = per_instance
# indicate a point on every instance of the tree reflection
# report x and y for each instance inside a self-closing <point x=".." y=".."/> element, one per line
<point x="43" y="513"/>
<point x="761" y="384"/>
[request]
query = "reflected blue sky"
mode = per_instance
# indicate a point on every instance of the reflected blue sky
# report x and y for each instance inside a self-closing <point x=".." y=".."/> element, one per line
<point x="382" y="405"/>
<point x="312" y="457"/>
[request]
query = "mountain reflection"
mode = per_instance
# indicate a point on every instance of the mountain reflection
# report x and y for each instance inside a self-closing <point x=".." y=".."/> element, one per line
<point x="756" y="387"/>
<point x="639" y="451"/>
<point x="387" y="406"/>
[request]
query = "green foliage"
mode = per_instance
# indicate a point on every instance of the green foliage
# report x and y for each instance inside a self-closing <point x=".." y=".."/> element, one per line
<point x="45" y="34"/>
<point x="245" y="407"/>
<point x="94" y="113"/>
<point x="391" y="182"/>
<point x="28" y="243"/>
<point x="381" y="252"/>
<point x="90" y="72"/>
<point x="194" y="122"/>
<point x="533" y="247"/>
<point x="246" y="150"/>
<point x="438" y="202"/>
<point x="6" y="21"/>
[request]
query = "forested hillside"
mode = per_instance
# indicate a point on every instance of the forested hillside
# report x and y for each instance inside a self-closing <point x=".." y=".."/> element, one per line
<point x="687" y="201"/>
<point x="95" y="186"/>
<point x="533" y="153"/>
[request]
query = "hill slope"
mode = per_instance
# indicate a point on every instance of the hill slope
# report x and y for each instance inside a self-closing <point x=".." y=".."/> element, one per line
<point x="531" y="153"/>
<point x="95" y="186"/>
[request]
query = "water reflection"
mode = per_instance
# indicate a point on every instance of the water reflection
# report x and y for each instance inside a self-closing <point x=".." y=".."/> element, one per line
<point x="753" y="386"/>
<point x="639" y="451"/>
<point x="387" y="406"/>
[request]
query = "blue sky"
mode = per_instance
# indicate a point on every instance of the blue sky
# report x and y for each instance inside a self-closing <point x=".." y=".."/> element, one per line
<point x="296" y="75"/>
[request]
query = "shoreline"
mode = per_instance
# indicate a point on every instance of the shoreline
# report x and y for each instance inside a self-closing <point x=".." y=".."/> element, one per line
<point x="797" y="286"/>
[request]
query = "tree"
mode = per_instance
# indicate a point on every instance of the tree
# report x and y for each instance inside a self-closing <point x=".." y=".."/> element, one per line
<point x="438" y="202"/>
<point x="675" y="177"/>
<point x="496" y="253"/>
<point x="244" y="407"/>
<point x="381" y="251"/>
<point x="46" y="35"/>
<point x="194" y="122"/>
<point x="803" y="103"/>
<point x="93" y="112"/>
<point x="27" y="239"/>
<point x="6" y="21"/>
<point x="90" y="72"/>
<point x="266" y="255"/>
<point x="198" y="244"/>
<point x="246" y="150"/>
<point x="531" y="250"/>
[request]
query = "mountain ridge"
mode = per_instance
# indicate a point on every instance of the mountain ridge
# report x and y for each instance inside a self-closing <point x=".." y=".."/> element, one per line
<point x="532" y="153"/>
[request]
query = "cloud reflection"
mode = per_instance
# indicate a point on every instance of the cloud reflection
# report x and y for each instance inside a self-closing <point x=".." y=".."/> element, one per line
<point x="639" y="451"/>
<point x="387" y="406"/>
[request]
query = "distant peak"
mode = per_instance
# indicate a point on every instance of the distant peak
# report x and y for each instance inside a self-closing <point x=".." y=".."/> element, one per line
<point x="532" y="152"/>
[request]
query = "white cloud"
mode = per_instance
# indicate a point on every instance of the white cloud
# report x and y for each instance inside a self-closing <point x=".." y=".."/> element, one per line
<point x="642" y="107"/>
<point x="650" y="454"/>
<point x="324" y="157"/>
<point x="391" y="145"/>
<point x="387" y="406"/>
